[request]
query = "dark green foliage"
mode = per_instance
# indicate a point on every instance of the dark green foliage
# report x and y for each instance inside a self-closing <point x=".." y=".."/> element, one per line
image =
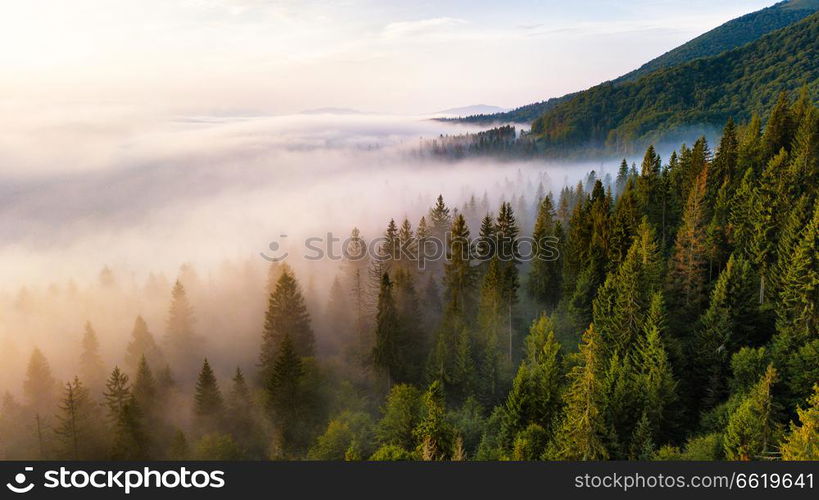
<point x="243" y="419"/>
<point x="286" y="315"/>
<point x="704" y="91"/>
<point x="293" y="401"/>
<point x="144" y="388"/>
<point x="450" y="358"/>
<point x="656" y="381"/>
<point x="130" y="440"/>
<point x="390" y="346"/>
<point x="535" y="397"/>
<point x="733" y="34"/>
<point x="208" y="402"/>
<point x="731" y="321"/>
<point x="546" y="272"/>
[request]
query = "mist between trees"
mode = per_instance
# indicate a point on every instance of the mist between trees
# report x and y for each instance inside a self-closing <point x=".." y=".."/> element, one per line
<point x="677" y="320"/>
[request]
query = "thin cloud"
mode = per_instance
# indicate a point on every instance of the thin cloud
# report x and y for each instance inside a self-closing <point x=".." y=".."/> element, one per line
<point x="403" y="29"/>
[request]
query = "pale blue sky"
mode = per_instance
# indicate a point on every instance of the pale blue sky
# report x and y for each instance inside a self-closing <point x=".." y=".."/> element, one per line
<point x="284" y="56"/>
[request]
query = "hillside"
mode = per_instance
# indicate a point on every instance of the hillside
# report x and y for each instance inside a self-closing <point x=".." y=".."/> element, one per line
<point x="524" y="114"/>
<point x="702" y="92"/>
<point x="735" y="33"/>
<point x="730" y="35"/>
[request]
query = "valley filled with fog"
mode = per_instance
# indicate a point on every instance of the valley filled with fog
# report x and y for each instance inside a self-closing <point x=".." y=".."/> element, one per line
<point x="101" y="212"/>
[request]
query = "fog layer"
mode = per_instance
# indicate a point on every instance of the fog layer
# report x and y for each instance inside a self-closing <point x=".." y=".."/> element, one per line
<point x="143" y="195"/>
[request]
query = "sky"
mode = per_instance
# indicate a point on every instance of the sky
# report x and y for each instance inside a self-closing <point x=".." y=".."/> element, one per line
<point x="278" y="57"/>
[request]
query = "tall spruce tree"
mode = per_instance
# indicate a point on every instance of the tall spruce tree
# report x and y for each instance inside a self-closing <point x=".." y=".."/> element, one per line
<point x="75" y="423"/>
<point x="447" y="355"/>
<point x="285" y="395"/>
<point x="724" y="167"/>
<point x="389" y="351"/>
<point x="491" y="327"/>
<point x="434" y="435"/>
<point x="39" y="385"/>
<point x="355" y="265"/>
<point x="798" y="313"/>
<point x="414" y="338"/>
<point x="486" y="244"/>
<point x="208" y="402"/>
<point x="507" y="232"/>
<point x="780" y="126"/>
<point x="181" y="341"/>
<point x="286" y="315"/>
<point x="145" y="389"/>
<point x="655" y="376"/>
<point x="243" y="418"/>
<point x="92" y="367"/>
<point x="142" y="344"/>
<point x="649" y="188"/>
<point x="545" y="274"/>
<point x="535" y="396"/>
<point x="622" y="178"/>
<point x="440" y="218"/>
<point x="687" y="273"/>
<point x="116" y="395"/>
<point x="583" y="430"/>
<point x="730" y="322"/>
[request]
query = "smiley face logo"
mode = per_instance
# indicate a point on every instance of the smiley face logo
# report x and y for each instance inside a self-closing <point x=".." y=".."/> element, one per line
<point x="20" y="479"/>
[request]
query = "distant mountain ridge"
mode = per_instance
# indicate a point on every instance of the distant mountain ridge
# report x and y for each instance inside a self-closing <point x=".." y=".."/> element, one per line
<point x="524" y="114"/>
<point x="331" y="111"/>
<point x="475" y="109"/>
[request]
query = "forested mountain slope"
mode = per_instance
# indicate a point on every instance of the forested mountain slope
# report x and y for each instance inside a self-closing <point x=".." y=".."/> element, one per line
<point x="733" y="34"/>
<point x="730" y="35"/>
<point x="702" y="92"/>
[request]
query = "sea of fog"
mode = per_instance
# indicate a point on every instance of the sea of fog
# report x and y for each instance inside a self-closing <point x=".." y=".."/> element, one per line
<point x="82" y="193"/>
<point x="143" y="195"/>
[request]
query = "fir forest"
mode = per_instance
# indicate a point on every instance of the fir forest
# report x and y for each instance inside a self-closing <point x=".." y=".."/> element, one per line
<point x="626" y="272"/>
